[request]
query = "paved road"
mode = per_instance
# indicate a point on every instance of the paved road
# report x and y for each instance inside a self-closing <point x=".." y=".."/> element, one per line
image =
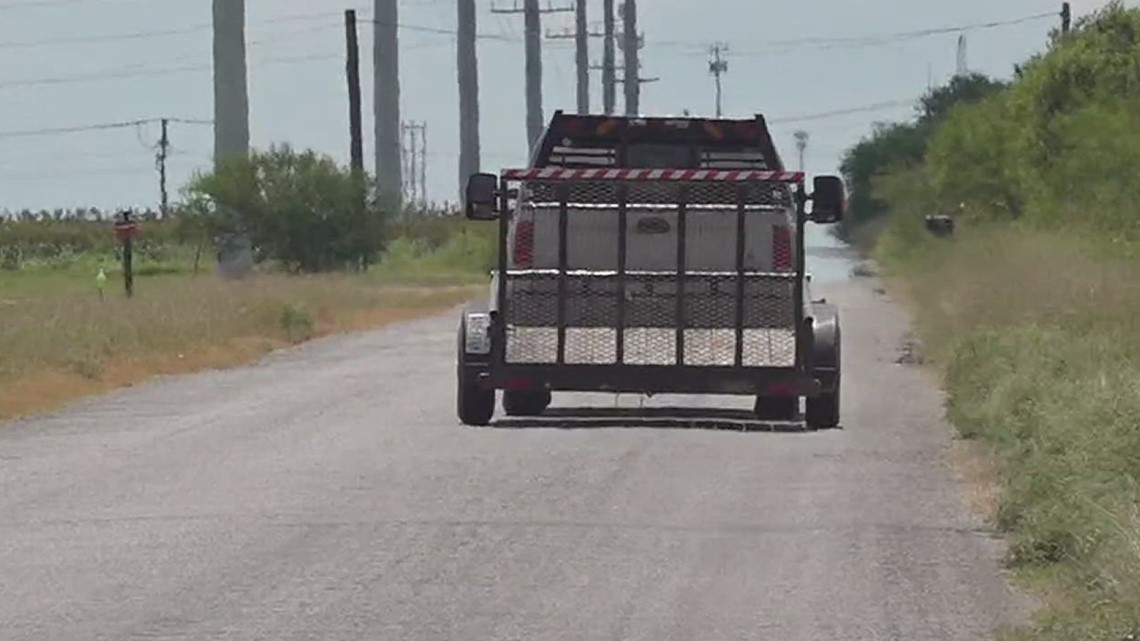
<point x="328" y="493"/>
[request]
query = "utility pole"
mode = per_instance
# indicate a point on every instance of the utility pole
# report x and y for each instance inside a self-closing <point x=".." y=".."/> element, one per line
<point x="414" y="152"/>
<point x="630" y="46"/>
<point x="356" y="134"/>
<point x="469" y="161"/>
<point x="581" y="35"/>
<point x="582" y="56"/>
<point x="231" y="121"/>
<point x="423" y="165"/>
<point x="718" y="67"/>
<point x="532" y="16"/>
<point x="231" y="95"/>
<point x="609" y="73"/>
<point x="1066" y="18"/>
<point x="160" y="160"/>
<point x="413" y="187"/>
<point x="962" y="68"/>
<point x="386" y="96"/>
<point x="802" y="138"/>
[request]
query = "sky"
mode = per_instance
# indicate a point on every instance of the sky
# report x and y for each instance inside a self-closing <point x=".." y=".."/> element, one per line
<point x="83" y="62"/>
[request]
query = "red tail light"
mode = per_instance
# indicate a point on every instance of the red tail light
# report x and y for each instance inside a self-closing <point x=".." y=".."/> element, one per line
<point x="524" y="243"/>
<point x="782" y="249"/>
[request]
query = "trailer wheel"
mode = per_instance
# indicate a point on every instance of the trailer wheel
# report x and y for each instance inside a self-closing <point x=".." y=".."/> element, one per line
<point x="822" y="412"/>
<point x="474" y="404"/>
<point x="526" y="403"/>
<point x="776" y="408"/>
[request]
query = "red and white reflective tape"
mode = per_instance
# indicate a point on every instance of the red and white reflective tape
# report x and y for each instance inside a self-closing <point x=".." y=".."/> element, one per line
<point x="675" y="175"/>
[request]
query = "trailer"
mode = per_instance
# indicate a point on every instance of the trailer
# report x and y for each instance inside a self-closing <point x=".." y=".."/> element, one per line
<point x="651" y="256"/>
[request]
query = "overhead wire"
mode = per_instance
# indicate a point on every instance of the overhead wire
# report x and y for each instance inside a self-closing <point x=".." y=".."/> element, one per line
<point x="102" y="126"/>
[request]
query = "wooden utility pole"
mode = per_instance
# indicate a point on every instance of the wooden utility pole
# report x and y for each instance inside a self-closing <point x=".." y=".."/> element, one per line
<point x="386" y="97"/>
<point x="352" y="64"/>
<point x="802" y="138"/>
<point x="468" y="67"/>
<point x="532" y="14"/>
<point x="1066" y="18"/>
<point x="581" y="36"/>
<point x="630" y="46"/>
<point x="718" y="66"/>
<point x="582" y="56"/>
<point x="609" y="72"/>
<point x="163" y="154"/>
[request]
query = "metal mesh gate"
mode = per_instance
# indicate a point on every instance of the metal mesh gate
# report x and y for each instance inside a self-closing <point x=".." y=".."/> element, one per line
<point x="740" y="317"/>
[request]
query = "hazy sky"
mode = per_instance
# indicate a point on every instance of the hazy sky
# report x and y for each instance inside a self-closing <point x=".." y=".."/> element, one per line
<point x="51" y="78"/>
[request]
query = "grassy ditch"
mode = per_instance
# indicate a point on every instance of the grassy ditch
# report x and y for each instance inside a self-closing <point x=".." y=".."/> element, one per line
<point x="1037" y="338"/>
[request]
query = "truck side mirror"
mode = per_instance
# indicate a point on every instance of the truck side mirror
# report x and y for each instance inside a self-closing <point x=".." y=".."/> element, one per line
<point x="481" y="196"/>
<point x="828" y="201"/>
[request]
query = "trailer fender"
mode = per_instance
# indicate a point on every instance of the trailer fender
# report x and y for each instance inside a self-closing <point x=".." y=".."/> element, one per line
<point x="826" y="345"/>
<point x="476" y="333"/>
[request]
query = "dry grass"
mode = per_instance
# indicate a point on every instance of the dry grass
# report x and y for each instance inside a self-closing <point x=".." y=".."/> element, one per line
<point x="61" y="341"/>
<point x="1037" y="340"/>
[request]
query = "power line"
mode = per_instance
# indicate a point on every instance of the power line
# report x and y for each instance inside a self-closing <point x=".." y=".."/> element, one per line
<point x="878" y="106"/>
<point x="700" y="48"/>
<point x="123" y="124"/>
<point x="36" y="4"/>
<point x="133" y="71"/>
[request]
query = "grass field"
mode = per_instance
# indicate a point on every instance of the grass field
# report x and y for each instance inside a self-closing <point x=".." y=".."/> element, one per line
<point x="60" y="339"/>
<point x="1037" y="338"/>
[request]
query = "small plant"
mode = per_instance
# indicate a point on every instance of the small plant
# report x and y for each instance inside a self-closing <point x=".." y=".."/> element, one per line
<point x="11" y="258"/>
<point x="297" y="323"/>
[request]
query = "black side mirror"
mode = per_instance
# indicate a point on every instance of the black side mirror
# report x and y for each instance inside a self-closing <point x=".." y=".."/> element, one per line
<point x="828" y="201"/>
<point x="482" y="196"/>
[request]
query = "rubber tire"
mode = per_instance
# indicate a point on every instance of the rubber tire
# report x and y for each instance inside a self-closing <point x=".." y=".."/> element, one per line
<point x="822" y="412"/>
<point x="776" y="408"/>
<point x="474" y="405"/>
<point x="526" y="403"/>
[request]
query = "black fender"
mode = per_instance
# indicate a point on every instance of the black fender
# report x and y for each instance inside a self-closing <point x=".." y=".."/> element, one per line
<point x="826" y="345"/>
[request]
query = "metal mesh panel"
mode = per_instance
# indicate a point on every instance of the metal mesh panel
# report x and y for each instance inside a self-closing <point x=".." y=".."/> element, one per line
<point x="651" y="320"/>
<point x="650" y="192"/>
<point x="643" y="316"/>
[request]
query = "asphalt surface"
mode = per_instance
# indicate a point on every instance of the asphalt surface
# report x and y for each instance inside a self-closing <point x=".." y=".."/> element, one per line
<point x="329" y="493"/>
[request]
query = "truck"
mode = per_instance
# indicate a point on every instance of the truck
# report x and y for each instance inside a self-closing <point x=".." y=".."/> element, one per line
<point x="651" y="255"/>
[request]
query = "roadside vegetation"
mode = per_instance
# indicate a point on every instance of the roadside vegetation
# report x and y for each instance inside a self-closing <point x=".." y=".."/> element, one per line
<point x="1031" y="311"/>
<point x="330" y="256"/>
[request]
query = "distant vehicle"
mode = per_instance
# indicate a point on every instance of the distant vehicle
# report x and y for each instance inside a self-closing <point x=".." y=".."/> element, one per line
<point x="651" y="255"/>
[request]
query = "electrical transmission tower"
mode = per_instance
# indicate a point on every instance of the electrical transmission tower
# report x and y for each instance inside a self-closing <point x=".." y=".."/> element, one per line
<point x="718" y="66"/>
<point x="413" y="151"/>
<point x="532" y="15"/>
<point x="802" y="138"/>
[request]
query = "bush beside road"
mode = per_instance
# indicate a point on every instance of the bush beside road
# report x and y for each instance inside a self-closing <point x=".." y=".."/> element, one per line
<point x="60" y="338"/>
<point x="1029" y="312"/>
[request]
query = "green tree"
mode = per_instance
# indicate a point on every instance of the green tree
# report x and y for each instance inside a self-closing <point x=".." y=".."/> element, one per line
<point x="899" y="146"/>
<point x="299" y="208"/>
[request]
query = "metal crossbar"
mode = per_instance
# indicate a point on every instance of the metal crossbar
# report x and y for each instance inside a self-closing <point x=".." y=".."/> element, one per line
<point x="670" y="175"/>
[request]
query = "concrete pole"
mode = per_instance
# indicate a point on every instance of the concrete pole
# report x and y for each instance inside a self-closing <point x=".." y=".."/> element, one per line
<point x="231" y="122"/>
<point x="534" y="118"/>
<point x="468" y="67"/>
<point x="386" y="98"/>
